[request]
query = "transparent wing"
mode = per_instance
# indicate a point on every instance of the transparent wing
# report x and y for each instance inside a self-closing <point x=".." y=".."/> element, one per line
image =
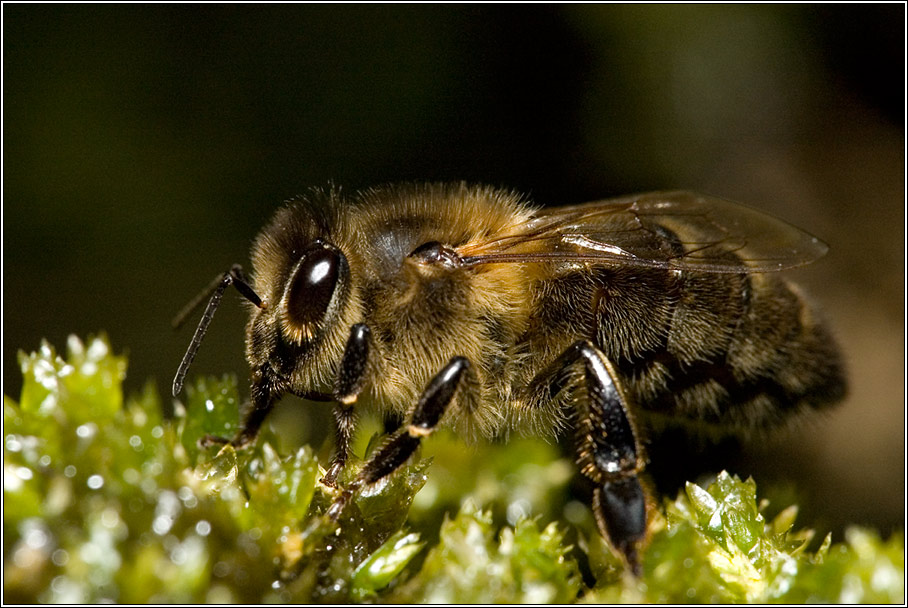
<point x="672" y="230"/>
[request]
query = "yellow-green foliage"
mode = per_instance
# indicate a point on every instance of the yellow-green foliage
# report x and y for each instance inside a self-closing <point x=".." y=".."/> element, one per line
<point x="106" y="501"/>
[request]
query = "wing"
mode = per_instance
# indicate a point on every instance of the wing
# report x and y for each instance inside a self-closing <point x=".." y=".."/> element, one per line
<point x="672" y="230"/>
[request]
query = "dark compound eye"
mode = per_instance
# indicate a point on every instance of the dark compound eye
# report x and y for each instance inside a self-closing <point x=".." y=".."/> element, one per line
<point x="310" y="291"/>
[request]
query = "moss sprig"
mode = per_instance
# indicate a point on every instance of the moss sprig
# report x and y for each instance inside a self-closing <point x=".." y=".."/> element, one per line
<point x="105" y="500"/>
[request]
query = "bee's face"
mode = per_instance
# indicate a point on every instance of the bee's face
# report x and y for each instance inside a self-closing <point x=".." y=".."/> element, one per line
<point x="305" y="281"/>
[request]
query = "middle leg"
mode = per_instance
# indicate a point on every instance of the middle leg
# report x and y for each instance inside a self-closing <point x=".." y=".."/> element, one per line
<point x="429" y="410"/>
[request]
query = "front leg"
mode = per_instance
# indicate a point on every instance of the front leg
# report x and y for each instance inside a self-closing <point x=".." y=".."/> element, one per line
<point x="429" y="410"/>
<point x="266" y="390"/>
<point x="266" y="387"/>
<point x="347" y="386"/>
<point x="608" y="452"/>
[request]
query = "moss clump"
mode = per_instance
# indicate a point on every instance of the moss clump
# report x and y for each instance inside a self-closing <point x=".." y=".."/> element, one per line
<point x="106" y="501"/>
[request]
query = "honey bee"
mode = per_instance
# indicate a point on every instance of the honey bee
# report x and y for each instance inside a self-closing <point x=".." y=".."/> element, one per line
<point x="467" y="307"/>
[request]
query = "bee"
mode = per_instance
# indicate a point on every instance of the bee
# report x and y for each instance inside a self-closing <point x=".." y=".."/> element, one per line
<point x="467" y="307"/>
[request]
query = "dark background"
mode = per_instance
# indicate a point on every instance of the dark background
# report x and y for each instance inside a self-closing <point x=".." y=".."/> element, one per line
<point x="144" y="146"/>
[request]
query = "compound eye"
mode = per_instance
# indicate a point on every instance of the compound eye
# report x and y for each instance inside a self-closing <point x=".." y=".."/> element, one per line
<point x="310" y="292"/>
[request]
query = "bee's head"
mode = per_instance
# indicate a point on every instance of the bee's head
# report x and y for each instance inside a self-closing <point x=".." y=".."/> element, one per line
<point x="313" y="292"/>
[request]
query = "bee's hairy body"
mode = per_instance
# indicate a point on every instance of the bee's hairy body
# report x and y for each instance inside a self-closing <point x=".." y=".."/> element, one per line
<point x="451" y="305"/>
<point x="730" y="352"/>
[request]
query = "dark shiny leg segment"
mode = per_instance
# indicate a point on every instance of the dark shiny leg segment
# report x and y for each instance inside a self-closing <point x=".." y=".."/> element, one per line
<point x="608" y="453"/>
<point x="620" y="510"/>
<point x="400" y="446"/>
<point x="349" y="383"/>
<point x="352" y="372"/>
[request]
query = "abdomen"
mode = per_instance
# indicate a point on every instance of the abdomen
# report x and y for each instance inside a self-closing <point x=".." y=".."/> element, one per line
<point x="732" y="352"/>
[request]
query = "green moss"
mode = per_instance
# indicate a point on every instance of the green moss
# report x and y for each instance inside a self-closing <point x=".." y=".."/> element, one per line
<point x="475" y="563"/>
<point x="106" y="501"/>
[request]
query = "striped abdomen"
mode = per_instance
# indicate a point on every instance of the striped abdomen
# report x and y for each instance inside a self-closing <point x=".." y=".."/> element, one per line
<point x="736" y="351"/>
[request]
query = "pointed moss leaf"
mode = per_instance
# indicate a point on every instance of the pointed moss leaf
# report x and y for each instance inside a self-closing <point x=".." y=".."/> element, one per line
<point x="384" y="505"/>
<point x="471" y="565"/>
<point x="543" y="572"/>
<point x="281" y="489"/>
<point x="380" y="568"/>
<point x="211" y="408"/>
<point x="743" y="529"/>
<point x="94" y="388"/>
<point x="87" y="385"/>
<point x="784" y="521"/>
<point x="823" y="551"/>
<point x="145" y="408"/>
<point x="727" y="510"/>
<point x="296" y="480"/>
<point x="864" y="569"/>
<point x="221" y="471"/>
<point x="730" y="490"/>
<point x="708" y="515"/>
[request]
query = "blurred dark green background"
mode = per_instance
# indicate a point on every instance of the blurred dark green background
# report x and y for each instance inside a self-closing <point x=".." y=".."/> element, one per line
<point x="144" y="146"/>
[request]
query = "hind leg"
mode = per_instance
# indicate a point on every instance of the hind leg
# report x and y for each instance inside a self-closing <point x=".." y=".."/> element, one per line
<point x="607" y="450"/>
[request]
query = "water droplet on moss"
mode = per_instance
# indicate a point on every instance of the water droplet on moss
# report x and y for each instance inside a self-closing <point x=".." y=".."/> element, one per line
<point x="110" y="518"/>
<point x="203" y="528"/>
<point x="60" y="557"/>
<point x="87" y="430"/>
<point x="517" y="510"/>
<point x="25" y="557"/>
<point x="178" y="555"/>
<point x="220" y="569"/>
<point x="35" y="537"/>
<point x="149" y="486"/>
